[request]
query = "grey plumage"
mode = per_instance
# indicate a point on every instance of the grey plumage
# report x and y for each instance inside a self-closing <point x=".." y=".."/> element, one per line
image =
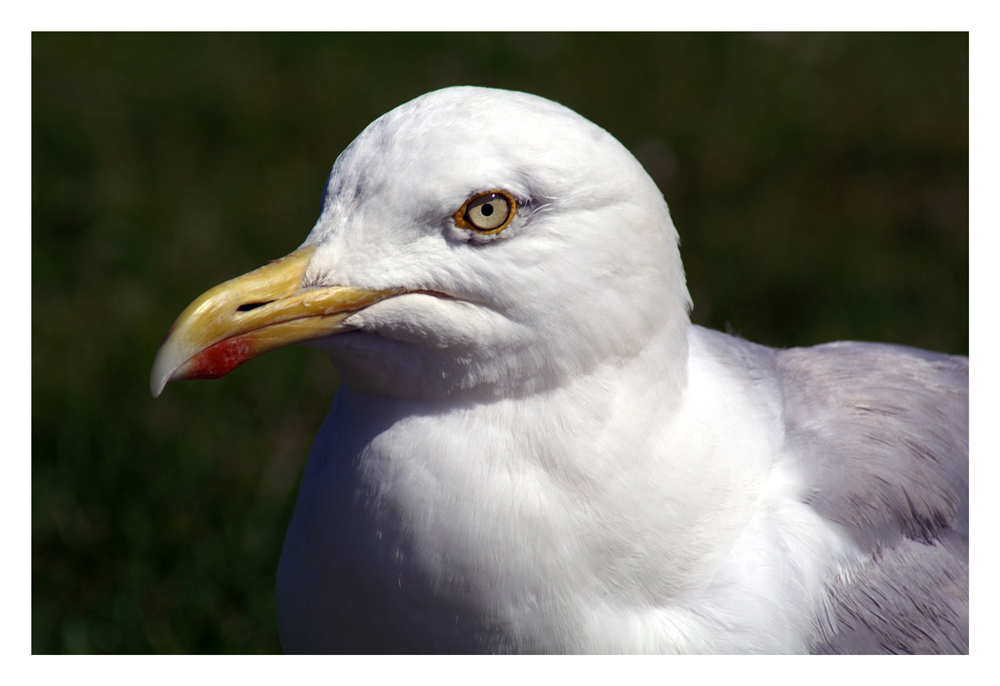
<point x="882" y="432"/>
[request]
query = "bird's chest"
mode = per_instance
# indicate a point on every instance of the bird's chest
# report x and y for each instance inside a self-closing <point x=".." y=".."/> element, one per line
<point x="455" y="535"/>
<point x="503" y="527"/>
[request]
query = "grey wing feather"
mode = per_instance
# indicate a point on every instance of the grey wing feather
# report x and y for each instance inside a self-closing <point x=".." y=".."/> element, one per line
<point x="884" y="432"/>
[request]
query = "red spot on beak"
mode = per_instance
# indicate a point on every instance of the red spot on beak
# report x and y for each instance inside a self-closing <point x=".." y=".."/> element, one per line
<point x="219" y="359"/>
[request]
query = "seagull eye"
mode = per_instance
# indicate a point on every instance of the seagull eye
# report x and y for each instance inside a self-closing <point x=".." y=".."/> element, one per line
<point x="487" y="212"/>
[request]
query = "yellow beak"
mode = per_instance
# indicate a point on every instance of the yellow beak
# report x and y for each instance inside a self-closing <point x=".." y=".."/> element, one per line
<point x="251" y="315"/>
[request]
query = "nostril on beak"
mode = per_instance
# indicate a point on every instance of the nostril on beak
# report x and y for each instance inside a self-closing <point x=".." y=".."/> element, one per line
<point x="252" y="306"/>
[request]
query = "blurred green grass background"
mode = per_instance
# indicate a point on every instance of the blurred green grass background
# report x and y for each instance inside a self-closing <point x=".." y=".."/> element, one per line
<point x="819" y="183"/>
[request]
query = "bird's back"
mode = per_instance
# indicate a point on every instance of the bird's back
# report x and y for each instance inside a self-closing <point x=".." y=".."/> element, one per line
<point x="884" y="430"/>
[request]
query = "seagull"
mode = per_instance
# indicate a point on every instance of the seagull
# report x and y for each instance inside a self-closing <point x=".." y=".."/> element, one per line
<point x="533" y="450"/>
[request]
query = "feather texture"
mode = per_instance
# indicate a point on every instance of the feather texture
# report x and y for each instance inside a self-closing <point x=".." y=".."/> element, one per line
<point x="533" y="450"/>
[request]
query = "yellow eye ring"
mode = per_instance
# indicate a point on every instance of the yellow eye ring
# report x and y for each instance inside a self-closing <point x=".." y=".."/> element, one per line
<point x="487" y="213"/>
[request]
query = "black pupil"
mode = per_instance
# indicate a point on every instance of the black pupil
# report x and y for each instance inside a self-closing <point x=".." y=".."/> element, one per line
<point x="487" y="209"/>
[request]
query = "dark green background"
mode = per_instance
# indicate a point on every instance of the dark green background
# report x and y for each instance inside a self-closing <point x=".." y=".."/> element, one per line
<point x="819" y="184"/>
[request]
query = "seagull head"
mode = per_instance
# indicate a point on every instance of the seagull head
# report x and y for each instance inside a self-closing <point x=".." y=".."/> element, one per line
<point x="471" y="241"/>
